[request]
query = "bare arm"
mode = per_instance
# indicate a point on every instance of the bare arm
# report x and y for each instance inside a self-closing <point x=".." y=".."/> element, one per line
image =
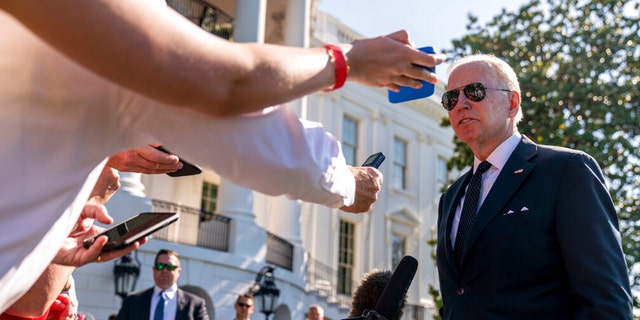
<point x="149" y="48"/>
<point x="37" y="300"/>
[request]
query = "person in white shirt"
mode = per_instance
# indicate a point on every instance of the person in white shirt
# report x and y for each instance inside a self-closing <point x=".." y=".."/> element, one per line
<point x="103" y="76"/>
<point x="42" y="296"/>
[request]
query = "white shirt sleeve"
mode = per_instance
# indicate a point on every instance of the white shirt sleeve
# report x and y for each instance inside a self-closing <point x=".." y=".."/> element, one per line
<point x="60" y="121"/>
<point x="272" y="152"/>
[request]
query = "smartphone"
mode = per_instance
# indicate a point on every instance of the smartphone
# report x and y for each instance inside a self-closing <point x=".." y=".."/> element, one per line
<point x="374" y="160"/>
<point x="188" y="169"/>
<point x="134" y="229"/>
<point x="408" y="93"/>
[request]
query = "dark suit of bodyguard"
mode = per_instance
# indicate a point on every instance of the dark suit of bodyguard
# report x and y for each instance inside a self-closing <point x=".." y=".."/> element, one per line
<point x="164" y="301"/>
<point x="137" y="306"/>
<point x="545" y="242"/>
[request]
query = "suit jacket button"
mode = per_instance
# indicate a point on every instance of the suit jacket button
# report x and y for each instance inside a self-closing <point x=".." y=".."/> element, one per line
<point x="460" y="291"/>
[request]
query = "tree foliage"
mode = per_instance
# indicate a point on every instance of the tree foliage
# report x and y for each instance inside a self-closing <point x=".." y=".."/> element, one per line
<point x="579" y="68"/>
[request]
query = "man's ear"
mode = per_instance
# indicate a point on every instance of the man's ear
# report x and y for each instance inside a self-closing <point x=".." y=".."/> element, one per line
<point x="514" y="102"/>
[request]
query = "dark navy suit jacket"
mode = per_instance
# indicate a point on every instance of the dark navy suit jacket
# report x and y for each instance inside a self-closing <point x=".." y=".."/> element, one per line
<point x="137" y="305"/>
<point x="545" y="243"/>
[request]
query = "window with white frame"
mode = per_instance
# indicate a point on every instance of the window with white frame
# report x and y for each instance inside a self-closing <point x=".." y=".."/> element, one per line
<point x="398" y="249"/>
<point x="349" y="139"/>
<point x="209" y="197"/>
<point x="399" y="173"/>
<point x="345" y="257"/>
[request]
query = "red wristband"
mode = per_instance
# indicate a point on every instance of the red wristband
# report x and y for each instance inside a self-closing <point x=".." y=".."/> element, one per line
<point x="340" y="63"/>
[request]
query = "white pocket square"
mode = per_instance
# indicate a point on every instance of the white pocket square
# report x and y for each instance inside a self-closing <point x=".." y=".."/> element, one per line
<point x="523" y="210"/>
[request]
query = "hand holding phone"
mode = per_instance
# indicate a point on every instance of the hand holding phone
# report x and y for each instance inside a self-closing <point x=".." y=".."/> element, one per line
<point x="188" y="169"/>
<point x="133" y="229"/>
<point x="408" y="93"/>
<point x="374" y="160"/>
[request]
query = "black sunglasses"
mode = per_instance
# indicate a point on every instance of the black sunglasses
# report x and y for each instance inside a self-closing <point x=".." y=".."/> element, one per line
<point x="160" y="266"/>
<point x="244" y="305"/>
<point x="474" y="91"/>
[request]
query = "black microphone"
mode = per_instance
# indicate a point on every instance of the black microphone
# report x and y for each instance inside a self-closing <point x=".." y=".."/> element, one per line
<point x="393" y="295"/>
<point x="368" y="292"/>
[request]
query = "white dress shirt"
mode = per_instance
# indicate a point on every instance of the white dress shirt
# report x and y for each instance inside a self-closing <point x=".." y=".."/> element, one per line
<point x="497" y="158"/>
<point x="170" y="303"/>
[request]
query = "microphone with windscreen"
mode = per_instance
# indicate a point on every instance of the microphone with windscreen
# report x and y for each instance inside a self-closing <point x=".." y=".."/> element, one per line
<point x="392" y="298"/>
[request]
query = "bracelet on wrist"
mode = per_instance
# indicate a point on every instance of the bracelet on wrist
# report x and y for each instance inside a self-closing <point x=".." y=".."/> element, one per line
<point x="339" y="61"/>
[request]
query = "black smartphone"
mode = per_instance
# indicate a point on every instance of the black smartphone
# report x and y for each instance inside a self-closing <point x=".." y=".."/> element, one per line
<point x="374" y="160"/>
<point x="134" y="229"/>
<point x="188" y="169"/>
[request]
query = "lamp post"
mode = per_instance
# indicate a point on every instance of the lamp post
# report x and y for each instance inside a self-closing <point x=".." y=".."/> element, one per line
<point x="264" y="290"/>
<point x="126" y="272"/>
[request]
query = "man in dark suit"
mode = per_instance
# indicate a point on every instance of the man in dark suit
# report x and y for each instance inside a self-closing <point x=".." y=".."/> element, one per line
<point x="165" y="301"/>
<point x="541" y="240"/>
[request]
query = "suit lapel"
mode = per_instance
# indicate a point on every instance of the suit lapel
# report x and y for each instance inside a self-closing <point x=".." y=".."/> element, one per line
<point x="456" y="191"/>
<point x="508" y="182"/>
<point x="181" y="305"/>
<point x="145" y="306"/>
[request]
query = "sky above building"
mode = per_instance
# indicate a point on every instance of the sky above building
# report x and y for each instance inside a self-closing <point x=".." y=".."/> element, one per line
<point x="429" y="22"/>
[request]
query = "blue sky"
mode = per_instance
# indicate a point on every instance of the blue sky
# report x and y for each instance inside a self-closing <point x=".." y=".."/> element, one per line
<point x="429" y="22"/>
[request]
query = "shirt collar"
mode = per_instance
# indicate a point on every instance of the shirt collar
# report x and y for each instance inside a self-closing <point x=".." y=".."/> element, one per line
<point x="170" y="292"/>
<point x="501" y="154"/>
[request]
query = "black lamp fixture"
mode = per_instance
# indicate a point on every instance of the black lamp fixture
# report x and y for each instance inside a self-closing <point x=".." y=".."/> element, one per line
<point x="265" y="291"/>
<point x="126" y="272"/>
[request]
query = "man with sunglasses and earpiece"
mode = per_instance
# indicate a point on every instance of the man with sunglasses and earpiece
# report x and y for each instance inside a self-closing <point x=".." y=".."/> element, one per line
<point x="165" y="301"/>
<point x="244" y="307"/>
<point x="530" y="232"/>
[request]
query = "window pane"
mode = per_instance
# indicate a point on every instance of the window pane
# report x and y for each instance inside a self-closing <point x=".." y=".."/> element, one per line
<point x="398" y="178"/>
<point x="345" y="257"/>
<point x="209" y="197"/>
<point x="349" y="140"/>
<point x="398" y="249"/>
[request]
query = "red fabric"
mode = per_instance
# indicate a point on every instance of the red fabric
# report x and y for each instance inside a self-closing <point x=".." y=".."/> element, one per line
<point x="58" y="310"/>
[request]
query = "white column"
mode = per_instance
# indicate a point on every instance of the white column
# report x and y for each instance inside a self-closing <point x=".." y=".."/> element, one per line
<point x="131" y="183"/>
<point x="130" y="198"/>
<point x="235" y="201"/>
<point x="249" y="21"/>
<point x="246" y="238"/>
<point x="296" y="33"/>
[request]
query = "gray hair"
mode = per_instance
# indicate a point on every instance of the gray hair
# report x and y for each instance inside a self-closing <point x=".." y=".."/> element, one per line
<point x="498" y="70"/>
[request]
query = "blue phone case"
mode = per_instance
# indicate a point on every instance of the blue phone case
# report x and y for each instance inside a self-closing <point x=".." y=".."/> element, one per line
<point x="408" y="93"/>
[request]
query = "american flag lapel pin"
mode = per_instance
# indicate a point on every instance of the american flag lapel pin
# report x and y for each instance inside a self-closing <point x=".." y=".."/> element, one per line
<point x="518" y="171"/>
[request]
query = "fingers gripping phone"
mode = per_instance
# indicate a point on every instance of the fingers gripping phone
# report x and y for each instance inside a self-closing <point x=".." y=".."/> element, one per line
<point x="409" y="93"/>
<point x="374" y="160"/>
<point x="188" y="169"/>
<point x="133" y="229"/>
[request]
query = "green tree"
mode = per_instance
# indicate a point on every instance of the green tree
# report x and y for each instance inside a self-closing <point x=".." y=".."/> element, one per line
<point x="579" y="68"/>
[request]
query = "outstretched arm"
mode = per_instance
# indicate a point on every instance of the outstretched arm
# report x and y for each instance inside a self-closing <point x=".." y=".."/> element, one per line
<point x="149" y="48"/>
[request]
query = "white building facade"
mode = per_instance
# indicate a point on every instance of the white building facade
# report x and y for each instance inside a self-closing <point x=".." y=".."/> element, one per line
<point x="227" y="233"/>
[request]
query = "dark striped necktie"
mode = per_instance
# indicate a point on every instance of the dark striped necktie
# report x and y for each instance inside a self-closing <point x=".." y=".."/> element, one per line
<point x="469" y="210"/>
